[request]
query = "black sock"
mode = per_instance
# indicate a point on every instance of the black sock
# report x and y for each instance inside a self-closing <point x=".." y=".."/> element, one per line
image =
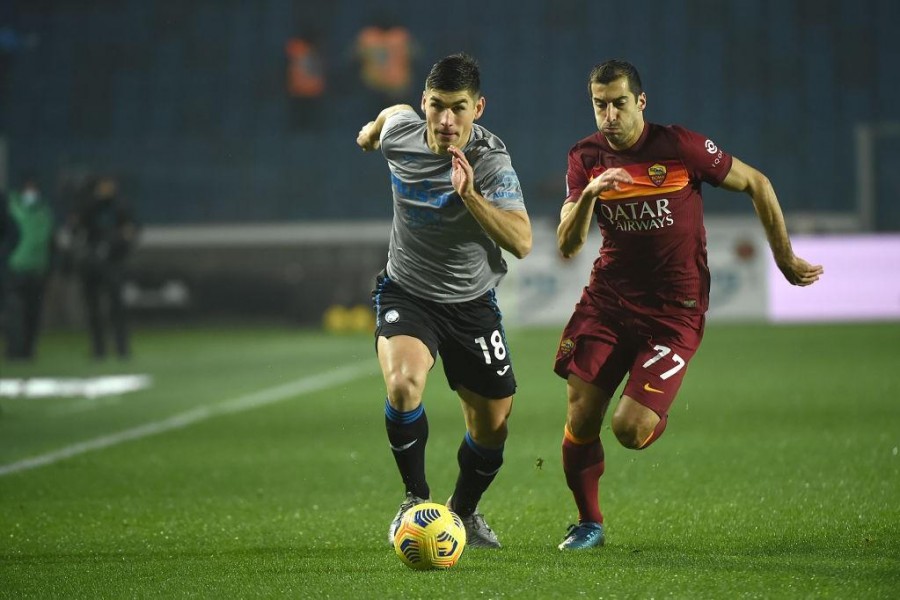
<point x="408" y="433"/>
<point x="477" y="468"/>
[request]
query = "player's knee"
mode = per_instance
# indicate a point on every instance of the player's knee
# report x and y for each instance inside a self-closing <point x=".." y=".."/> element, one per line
<point x="627" y="432"/>
<point x="490" y="434"/>
<point x="584" y="427"/>
<point x="486" y="418"/>
<point x="637" y="434"/>
<point x="489" y="428"/>
<point x="634" y="432"/>
<point x="404" y="390"/>
<point x="635" y="425"/>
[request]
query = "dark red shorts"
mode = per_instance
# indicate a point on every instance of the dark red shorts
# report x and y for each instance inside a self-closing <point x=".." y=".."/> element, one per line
<point x="604" y="341"/>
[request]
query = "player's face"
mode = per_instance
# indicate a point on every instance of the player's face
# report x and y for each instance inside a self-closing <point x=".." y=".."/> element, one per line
<point x="619" y="115"/>
<point x="449" y="116"/>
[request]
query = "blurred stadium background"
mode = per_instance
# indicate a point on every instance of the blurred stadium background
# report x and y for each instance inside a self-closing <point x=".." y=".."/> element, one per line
<point x="216" y="462"/>
<point x="231" y="127"/>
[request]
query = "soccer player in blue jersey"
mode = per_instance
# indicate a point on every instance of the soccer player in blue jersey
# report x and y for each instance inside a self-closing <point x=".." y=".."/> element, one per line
<point x="457" y="203"/>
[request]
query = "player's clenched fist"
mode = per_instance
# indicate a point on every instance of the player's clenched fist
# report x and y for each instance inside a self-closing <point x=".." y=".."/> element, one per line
<point x="368" y="137"/>
<point x="608" y="180"/>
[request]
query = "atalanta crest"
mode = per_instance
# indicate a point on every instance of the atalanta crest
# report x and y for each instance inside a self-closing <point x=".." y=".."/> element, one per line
<point x="657" y="174"/>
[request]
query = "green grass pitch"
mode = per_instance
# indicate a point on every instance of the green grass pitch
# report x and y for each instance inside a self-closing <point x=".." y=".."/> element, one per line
<point x="257" y="466"/>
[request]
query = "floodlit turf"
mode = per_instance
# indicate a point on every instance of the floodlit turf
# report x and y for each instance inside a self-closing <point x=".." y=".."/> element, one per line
<point x="778" y="475"/>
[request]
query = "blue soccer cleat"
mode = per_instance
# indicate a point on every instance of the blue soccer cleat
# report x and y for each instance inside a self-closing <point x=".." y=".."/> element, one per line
<point x="583" y="536"/>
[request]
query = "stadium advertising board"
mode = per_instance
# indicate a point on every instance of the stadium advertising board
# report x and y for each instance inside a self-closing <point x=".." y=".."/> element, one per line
<point x="543" y="288"/>
<point x="861" y="280"/>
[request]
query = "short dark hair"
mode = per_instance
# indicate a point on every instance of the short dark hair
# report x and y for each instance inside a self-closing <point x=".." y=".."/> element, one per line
<point x="455" y="73"/>
<point x="611" y="70"/>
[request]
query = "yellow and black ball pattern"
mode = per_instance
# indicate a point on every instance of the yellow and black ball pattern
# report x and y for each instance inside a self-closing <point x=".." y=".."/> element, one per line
<point x="430" y="536"/>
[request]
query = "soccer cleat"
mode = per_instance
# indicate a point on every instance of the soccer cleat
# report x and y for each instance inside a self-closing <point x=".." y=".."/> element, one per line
<point x="407" y="504"/>
<point x="478" y="533"/>
<point x="583" y="536"/>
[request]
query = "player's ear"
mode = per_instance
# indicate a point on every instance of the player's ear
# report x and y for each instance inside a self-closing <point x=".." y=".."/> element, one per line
<point x="479" y="106"/>
<point x="424" y="96"/>
<point x="642" y="101"/>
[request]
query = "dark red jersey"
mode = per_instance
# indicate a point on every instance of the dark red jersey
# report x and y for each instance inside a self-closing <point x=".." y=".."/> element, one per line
<point x="653" y="256"/>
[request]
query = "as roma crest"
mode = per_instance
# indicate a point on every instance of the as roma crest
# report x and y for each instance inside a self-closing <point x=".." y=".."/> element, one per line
<point x="565" y="347"/>
<point x="657" y="174"/>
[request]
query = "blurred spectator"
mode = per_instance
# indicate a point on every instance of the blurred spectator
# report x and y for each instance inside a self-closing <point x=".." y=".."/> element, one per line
<point x="103" y="233"/>
<point x="9" y="238"/>
<point x="385" y="53"/>
<point x="28" y="268"/>
<point x="305" y="81"/>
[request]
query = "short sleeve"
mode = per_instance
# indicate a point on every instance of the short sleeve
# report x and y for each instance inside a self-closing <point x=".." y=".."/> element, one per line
<point x="576" y="176"/>
<point x="703" y="158"/>
<point x="498" y="181"/>
<point x="395" y="123"/>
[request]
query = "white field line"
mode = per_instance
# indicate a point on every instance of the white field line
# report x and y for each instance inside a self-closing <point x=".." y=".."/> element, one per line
<point x="305" y="385"/>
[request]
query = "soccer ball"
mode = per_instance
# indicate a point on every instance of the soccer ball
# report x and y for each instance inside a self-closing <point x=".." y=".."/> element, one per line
<point x="430" y="536"/>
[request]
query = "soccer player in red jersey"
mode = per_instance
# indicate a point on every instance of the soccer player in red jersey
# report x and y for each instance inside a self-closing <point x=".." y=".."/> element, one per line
<point x="642" y="313"/>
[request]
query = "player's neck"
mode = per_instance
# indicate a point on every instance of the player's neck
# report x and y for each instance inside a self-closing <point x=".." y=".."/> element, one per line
<point x="632" y="139"/>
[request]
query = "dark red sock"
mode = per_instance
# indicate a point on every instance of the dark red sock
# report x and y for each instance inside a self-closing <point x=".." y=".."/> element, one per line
<point x="583" y="465"/>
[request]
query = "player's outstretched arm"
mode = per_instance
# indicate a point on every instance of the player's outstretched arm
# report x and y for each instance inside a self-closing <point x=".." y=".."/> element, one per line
<point x="369" y="136"/>
<point x="510" y="229"/>
<point x="744" y="178"/>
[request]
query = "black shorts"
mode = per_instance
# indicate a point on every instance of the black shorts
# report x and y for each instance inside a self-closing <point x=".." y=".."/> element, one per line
<point x="468" y="336"/>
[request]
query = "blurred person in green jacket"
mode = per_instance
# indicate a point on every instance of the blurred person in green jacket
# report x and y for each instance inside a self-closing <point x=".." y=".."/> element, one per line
<point x="27" y="268"/>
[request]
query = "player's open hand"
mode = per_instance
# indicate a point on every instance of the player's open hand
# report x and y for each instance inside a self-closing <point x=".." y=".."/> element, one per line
<point x="799" y="272"/>
<point x="368" y="137"/>
<point x="610" y="179"/>
<point x="463" y="176"/>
